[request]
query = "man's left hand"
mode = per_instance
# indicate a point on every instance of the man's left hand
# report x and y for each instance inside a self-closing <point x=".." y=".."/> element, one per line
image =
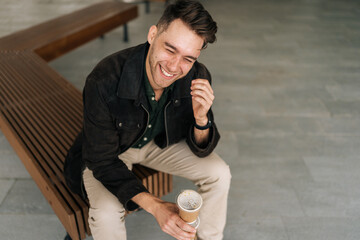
<point x="202" y="99"/>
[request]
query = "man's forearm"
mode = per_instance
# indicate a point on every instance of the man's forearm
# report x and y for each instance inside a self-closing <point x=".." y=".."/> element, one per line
<point x="147" y="201"/>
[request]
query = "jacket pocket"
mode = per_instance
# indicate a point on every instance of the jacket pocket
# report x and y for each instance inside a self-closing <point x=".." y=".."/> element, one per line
<point x="127" y="125"/>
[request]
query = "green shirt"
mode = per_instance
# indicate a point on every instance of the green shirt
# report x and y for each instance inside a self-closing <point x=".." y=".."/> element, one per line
<point x="156" y="122"/>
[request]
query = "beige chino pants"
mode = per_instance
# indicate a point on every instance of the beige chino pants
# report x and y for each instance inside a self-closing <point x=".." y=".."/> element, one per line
<point x="210" y="174"/>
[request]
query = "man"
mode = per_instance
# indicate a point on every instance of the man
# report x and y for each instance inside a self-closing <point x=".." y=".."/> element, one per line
<point x="151" y="104"/>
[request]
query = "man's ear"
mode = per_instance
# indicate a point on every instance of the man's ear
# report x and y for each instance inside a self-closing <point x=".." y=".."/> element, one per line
<point x="152" y="34"/>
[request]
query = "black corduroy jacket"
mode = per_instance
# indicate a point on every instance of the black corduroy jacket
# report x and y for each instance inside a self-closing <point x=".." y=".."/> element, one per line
<point x="116" y="116"/>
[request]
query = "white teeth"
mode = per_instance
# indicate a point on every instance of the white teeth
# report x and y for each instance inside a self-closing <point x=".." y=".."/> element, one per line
<point x="166" y="73"/>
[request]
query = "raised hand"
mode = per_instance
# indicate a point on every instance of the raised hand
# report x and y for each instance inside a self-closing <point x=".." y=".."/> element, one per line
<point x="202" y="99"/>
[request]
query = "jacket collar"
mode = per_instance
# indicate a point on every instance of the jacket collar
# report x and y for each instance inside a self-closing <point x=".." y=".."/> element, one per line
<point x="131" y="80"/>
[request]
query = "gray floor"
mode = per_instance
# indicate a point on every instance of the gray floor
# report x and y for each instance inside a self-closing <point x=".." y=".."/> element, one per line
<point x="287" y="84"/>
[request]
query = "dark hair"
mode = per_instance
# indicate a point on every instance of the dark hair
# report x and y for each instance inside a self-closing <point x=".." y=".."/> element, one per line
<point x="194" y="15"/>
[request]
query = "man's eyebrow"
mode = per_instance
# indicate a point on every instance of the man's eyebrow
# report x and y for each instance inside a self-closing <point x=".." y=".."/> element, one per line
<point x="176" y="50"/>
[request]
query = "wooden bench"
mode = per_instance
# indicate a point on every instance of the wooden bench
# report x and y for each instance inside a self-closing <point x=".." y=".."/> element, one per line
<point x="53" y="38"/>
<point x="41" y="114"/>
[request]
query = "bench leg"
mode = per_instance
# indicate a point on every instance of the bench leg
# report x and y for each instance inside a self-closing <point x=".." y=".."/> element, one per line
<point x="126" y="37"/>
<point x="147" y="6"/>
<point x="67" y="237"/>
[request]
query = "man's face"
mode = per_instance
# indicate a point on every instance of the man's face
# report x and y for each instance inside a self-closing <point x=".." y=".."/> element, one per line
<point x="172" y="53"/>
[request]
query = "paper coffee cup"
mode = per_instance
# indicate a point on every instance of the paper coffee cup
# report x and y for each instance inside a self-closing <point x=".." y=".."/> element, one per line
<point x="189" y="203"/>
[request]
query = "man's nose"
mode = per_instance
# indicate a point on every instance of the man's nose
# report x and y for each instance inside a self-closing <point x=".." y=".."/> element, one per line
<point x="173" y="64"/>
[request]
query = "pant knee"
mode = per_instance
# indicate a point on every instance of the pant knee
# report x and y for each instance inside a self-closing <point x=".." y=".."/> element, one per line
<point x="107" y="225"/>
<point x="218" y="175"/>
<point x="223" y="177"/>
<point x="106" y="210"/>
<point x="104" y="218"/>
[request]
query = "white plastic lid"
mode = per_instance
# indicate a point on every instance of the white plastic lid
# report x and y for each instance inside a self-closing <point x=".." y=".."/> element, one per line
<point x="189" y="200"/>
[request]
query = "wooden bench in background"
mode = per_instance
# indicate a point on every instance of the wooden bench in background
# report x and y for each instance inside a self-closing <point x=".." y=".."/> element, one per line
<point x="41" y="112"/>
<point x="55" y="37"/>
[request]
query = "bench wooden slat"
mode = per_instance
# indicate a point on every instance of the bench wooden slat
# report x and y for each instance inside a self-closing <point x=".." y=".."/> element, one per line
<point x="60" y="35"/>
<point x="20" y="141"/>
<point x="140" y="175"/>
<point x="65" y="85"/>
<point x="155" y="179"/>
<point x="41" y="132"/>
<point x="161" y="189"/>
<point x="149" y="179"/>
<point x="168" y="182"/>
<point x="40" y="105"/>
<point x="45" y="99"/>
<point x="22" y="110"/>
<point x="161" y="183"/>
<point x="57" y="83"/>
<point x="55" y="133"/>
<point x="42" y="85"/>
<point x="37" y="146"/>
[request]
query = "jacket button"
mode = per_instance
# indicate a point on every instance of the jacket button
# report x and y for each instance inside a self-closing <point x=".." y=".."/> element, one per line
<point x="176" y="101"/>
<point x="139" y="126"/>
<point x="120" y="124"/>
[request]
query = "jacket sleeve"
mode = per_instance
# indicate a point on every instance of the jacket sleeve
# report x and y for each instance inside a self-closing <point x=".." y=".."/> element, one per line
<point x="214" y="136"/>
<point x="101" y="148"/>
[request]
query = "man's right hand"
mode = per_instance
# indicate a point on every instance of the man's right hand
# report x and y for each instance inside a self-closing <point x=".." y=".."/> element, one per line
<point x="167" y="216"/>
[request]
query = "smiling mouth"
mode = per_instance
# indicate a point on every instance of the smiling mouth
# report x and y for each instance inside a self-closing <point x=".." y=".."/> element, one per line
<point x="165" y="72"/>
